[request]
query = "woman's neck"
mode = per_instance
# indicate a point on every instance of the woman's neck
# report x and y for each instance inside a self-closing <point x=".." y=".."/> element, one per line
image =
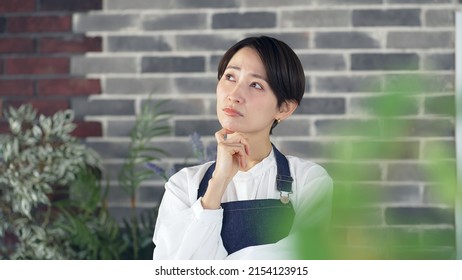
<point x="259" y="149"/>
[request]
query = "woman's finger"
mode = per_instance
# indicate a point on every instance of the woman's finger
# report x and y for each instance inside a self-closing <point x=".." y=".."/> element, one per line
<point x="222" y="134"/>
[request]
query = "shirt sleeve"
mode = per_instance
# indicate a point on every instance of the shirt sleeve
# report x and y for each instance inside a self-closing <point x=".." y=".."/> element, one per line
<point x="184" y="229"/>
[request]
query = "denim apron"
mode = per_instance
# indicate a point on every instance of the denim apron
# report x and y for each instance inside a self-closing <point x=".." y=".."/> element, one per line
<point x="259" y="221"/>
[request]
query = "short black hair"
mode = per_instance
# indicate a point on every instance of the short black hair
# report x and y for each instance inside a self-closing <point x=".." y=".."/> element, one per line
<point x="284" y="70"/>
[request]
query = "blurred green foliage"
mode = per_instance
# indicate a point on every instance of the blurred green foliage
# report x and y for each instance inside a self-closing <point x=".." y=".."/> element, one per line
<point x="358" y="229"/>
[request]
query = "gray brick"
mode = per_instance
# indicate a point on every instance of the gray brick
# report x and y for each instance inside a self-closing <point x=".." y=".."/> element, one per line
<point x="441" y="105"/>
<point x="402" y="172"/>
<point x="419" y="216"/>
<point x="322" y="62"/>
<point x="190" y="106"/>
<point x="440" y="61"/>
<point x="123" y="213"/>
<point x="84" y="107"/>
<point x="349" y="84"/>
<point x="183" y="4"/>
<point x="175" y="148"/>
<point x="390" y="150"/>
<point x="86" y="65"/>
<point x="173" y="64"/>
<point x="321" y="18"/>
<point x="346" y="127"/>
<point x="150" y="194"/>
<point x="213" y="106"/>
<point x="380" y="194"/>
<point x="119" y="128"/>
<point x="110" y="150"/>
<point x="111" y="171"/>
<point x="439" y="149"/>
<point x="198" y="42"/>
<point x="275" y="3"/>
<point x="436" y="18"/>
<point x="427" y="127"/>
<point x="203" y="127"/>
<point x="296" y="40"/>
<point x="138" y="85"/>
<point x="307" y="84"/>
<point x="349" y="2"/>
<point x="139" y="4"/>
<point x="419" y="40"/>
<point x="419" y="1"/>
<point x="388" y="61"/>
<point x="306" y="149"/>
<point x="116" y="150"/>
<point x="138" y="43"/>
<point x="174" y="21"/>
<point x="292" y="127"/>
<point x="430" y="83"/>
<point x="321" y="106"/>
<point x="104" y="22"/>
<point x="345" y="40"/>
<point x="405" y="106"/>
<point x="173" y="4"/>
<point x="118" y="195"/>
<point x="214" y="60"/>
<point x="243" y="20"/>
<point x="188" y="85"/>
<point x="351" y="171"/>
<point x="404" y="17"/>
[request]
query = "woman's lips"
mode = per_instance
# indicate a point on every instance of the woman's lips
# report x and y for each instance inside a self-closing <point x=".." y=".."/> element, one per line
<point x="232" y="113"/>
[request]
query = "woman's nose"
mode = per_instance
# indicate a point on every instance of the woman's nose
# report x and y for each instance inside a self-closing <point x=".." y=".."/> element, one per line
<point x="236" y="94"/>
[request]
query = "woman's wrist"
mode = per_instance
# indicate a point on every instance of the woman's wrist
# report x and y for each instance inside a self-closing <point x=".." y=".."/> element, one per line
<point x="213" y="195"/>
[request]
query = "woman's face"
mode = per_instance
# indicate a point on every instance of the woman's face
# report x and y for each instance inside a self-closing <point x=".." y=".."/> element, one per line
<point x="245" y="101"/>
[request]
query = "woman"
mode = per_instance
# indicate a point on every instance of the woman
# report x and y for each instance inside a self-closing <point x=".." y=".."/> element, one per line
<point x="250" y="203"/>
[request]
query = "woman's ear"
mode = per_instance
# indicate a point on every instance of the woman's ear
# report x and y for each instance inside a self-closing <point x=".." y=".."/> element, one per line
<point x="286" y="110"/>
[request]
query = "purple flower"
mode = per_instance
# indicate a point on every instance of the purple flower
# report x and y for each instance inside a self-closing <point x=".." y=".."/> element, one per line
<point x="157" y="169"/>
<point x="198" y="147"/>
<point x="170" y="172"/>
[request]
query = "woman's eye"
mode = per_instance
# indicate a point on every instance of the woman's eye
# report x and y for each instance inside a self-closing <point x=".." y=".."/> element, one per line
<point x="256" y="85"/>
<point x="229" y="77"/>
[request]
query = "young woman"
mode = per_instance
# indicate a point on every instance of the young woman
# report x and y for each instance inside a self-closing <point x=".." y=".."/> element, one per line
<point x="250" y="202"/>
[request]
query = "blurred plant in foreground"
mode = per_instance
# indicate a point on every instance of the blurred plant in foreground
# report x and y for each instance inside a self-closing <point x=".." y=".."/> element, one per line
<point x="359" y="229"/>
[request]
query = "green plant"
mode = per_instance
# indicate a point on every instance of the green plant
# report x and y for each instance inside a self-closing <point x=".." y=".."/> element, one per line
<point x="353" y="159"/>
<point x="38" y="155"/>
<point x="90" y="230"/>
<point x="150" y="123"/>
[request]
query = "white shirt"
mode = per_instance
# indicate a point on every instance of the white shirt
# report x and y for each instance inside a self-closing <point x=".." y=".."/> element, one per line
<point x="185" y="230"/>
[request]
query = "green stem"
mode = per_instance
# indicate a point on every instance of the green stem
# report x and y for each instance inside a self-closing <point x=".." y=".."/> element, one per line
<point x="134" y="227"/>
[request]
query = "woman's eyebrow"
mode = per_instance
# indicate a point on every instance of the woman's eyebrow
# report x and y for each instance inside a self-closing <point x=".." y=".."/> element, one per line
<point x="251" y="74"/>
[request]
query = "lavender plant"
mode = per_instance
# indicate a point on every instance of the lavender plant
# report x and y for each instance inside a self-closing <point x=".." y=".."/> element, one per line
<point x="201" y="153"/>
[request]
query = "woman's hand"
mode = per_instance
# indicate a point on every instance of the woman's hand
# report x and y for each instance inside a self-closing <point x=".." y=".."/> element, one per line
<point x="232" y="153"/>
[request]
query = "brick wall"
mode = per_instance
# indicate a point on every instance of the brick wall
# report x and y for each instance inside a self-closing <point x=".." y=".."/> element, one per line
<point x="37" y="43"/>
<point x="103" y="64"/>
